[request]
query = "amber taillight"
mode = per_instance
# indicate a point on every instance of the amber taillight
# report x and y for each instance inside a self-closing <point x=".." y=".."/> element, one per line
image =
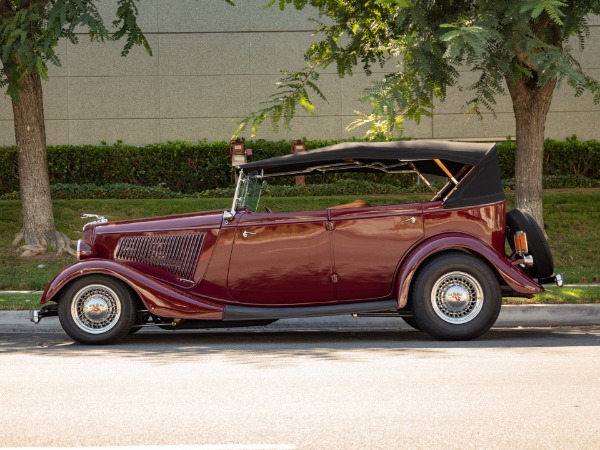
<point x="175" y="253"/>
<point x="521" y="246"/>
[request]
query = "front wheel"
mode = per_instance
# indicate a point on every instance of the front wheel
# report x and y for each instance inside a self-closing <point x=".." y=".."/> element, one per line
<point x="96" y="310"/>
<point x="455" y="296"/>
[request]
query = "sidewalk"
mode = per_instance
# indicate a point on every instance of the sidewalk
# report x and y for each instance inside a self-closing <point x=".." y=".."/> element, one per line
<point x="510" y="316"/>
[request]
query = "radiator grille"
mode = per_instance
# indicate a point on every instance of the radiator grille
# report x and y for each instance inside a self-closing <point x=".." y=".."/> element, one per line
<point x="177" y="253"/>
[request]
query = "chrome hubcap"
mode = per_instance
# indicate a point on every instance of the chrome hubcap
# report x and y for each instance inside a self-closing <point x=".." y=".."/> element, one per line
<point x="96" y="309"/>
<point x="457" y="297"/>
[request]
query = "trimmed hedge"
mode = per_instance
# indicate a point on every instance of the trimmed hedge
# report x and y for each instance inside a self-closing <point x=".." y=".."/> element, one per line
<point x="561" y="158"/>
<point x="189" y="168"/>
<point x="559" y="182"/>
<point x="340" y="187"/>
<point x="179" y="166"/>
<point x="128" y="191"/>
<point x="63" y="191"/>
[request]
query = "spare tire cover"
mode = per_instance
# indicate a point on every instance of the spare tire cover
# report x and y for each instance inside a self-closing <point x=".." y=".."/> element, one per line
<point x="521" y="220"/>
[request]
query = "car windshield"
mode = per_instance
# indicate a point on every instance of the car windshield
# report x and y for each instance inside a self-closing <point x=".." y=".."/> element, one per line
<point x="250" y="188"/>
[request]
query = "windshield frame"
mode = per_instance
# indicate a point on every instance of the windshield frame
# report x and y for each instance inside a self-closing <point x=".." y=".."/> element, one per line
<point x="245" y="190"/>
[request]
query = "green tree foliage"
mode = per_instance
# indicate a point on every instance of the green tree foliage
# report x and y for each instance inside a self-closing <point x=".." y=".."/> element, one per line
<point x="31" y="29"/>
<point x="519" y="46"/>
<point x="428" y="42"/>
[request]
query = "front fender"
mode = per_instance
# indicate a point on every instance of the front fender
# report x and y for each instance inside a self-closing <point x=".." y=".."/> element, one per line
<point x="159" y="298"/>
<point x="514" y="278"/>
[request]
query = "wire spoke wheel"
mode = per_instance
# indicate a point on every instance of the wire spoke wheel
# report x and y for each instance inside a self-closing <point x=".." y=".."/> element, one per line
<point x="457" y="297"/>
<point x="96" y="309"/>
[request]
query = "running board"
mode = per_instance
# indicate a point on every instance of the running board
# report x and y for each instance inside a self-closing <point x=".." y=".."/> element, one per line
<point x="234" y="312"/>
<point x="400" y="313"/>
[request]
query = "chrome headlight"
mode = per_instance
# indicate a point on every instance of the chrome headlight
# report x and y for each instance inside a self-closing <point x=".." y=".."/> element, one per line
<point x="84" y="250"/>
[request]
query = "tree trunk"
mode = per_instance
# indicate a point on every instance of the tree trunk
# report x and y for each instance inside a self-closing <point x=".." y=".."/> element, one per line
<point x="38" y="231"/>
<point x="530" y="104"/>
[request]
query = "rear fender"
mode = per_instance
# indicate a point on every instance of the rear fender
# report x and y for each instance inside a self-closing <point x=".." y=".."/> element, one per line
<point x="159" y="298"/>
<point x="517" y="280"/>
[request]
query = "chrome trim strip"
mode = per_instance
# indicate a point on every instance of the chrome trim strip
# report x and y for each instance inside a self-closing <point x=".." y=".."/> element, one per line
<point x="231" y="213"/>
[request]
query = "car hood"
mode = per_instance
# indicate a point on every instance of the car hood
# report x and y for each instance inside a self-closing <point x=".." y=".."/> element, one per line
<point x="191" y="221"/>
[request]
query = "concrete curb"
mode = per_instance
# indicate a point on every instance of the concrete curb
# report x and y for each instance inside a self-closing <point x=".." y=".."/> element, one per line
<point x="549" y="315"/>
<point x="510" y="316"/>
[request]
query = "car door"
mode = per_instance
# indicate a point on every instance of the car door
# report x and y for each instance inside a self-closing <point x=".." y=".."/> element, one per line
<point x="368" y="244"/>
<point x="281" y="259"/>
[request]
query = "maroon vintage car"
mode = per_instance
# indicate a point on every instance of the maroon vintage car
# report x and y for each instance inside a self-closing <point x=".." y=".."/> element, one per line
<point x="441" y="265"/>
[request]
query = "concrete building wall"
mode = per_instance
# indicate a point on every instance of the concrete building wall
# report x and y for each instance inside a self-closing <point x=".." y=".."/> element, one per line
<point x="212" y="64"/>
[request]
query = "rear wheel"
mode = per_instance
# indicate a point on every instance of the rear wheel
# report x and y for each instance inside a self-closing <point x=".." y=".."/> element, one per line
<point x="455" y="296"/>
<point x="96" y="310"/>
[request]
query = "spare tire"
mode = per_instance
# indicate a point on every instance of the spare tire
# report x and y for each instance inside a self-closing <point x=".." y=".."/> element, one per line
<point x="521" y="220"/>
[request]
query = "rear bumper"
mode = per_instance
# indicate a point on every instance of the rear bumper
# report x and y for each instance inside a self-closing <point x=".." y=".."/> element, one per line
<point x="557" y="279"/>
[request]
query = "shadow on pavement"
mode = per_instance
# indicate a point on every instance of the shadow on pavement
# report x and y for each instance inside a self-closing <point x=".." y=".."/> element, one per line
<point x="272" y="345"/>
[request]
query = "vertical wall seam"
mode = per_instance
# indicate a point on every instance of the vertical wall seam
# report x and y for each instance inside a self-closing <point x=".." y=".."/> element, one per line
<point x="68" y="92"/>
<point x="160" y="78"/>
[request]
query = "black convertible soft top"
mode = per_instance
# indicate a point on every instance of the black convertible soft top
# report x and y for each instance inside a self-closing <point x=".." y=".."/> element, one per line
<point x="478" y="183"/>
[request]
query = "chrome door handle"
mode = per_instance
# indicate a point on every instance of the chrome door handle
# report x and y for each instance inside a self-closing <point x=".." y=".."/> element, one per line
<point x="247" y="233"/>
<point x="410" y="219"/>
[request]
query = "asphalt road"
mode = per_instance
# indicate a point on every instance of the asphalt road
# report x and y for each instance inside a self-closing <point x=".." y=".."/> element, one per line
<point x="329" y="388"/>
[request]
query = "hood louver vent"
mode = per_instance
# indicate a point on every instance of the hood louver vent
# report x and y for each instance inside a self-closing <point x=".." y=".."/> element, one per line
<point x="176" y="253"/>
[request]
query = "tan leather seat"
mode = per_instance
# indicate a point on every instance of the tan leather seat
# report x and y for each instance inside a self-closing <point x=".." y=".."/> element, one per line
<point x="354" y="204"/>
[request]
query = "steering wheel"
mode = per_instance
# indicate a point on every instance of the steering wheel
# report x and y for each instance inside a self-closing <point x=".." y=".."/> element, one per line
<point x="267" y="209"/>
